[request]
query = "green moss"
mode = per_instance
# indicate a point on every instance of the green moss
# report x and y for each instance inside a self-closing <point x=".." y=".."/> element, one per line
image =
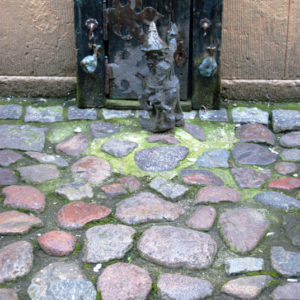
<point x="107" y="220"/>
<point x="154" y="287"/>
<point x="87" y="266"/>
<point x="111" y="262"/>
<point x="269" y="273"/>
<point x="77" y="248"/>
<point x="98" y="296"/>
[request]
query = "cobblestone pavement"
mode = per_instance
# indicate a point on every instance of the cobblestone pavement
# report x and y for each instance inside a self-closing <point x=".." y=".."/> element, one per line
<point x="93" y="207"/>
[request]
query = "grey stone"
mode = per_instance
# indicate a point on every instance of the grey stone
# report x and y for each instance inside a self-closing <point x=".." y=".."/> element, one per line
<point x="191" y="115"/>
<point x="107" y="242"/>
<point x="39" y="173"/>
<point x="250" y="115"/>
<point x="246" y="287"/>
<point x="181" y="287"/>
<point x="75" y="113"/>
<point x="253" y="154"/>
<point x="124" y="282"/>
<point x="143" y="113"/>
<point x="75" y="191"/>
<point x="250" y="178"/>
<point x="284" y="120"/>
<point x="291" y="154"/>
<point x="61" y="281"/>
<point x="7" y="177"/>
<point x="103" y="129"/>
<point x="16" y="260"/>
<point x="196" y="131"/>
<point x="243" y="265"/>
<point x="169" y="190"/>
<point x="286" y="263"/>
<point x="45" y="158"/>
<point x="8" y="294"/>
<point x="158" y="159"/>
<point x="146" y="207"/>
<point x="216" y="158"/>
<point x="171" y="140"/>
<point x="214" y="115"/>
<point x="291" y="224"/>
<point x="8" y="157"/>
<point x="285" y="168"/>
<point x="176" y="247"/>
<point x="289" y="291"/>
<point x="118" y="147"/>
<point x="116" y="114"/>
<point x="291" y="139"/>
<point x="10" y="111"/>
<point x="22" y="137"/>
<point x="243" y="228"/>
<point x="48" y="114"/>
<point x="277" y="200"/>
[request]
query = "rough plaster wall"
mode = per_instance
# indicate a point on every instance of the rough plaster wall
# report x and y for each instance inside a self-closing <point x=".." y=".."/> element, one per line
<point x="37" y="38"/>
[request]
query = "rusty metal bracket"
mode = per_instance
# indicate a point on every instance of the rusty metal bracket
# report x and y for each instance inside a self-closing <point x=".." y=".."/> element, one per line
<point x="180" y="55"/>
<point x="126" y="20"/>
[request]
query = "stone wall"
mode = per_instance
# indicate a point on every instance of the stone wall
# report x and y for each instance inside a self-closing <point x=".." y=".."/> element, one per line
<point x="260" y="50"/>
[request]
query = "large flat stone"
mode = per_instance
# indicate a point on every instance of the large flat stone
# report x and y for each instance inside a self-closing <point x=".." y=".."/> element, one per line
<point x="217" y="158"/>
<point x="256" y="133"/>
<point x="45" y="158"/>
<point x="195" y="131"/>
<point x="250" y="178"/>
<point x="159" y="159"/>
<point x="7" y="177"/>
<point x="169" y="190"/>
<point x="75" y="191"/>
<point x="246" y="287"/>
<point x="104" y="129"/>
<point x="77" y="214"/>
<point x="61" y="281"/>
<point x="8" y="294"/>
<point x="175" y="247"/>
<point x="10" y="111"/>
<point x="123" y="282"/>
<point x="14" y="222"/>
<point x="243" y="265"/>
<point x="200" y="177"/>
<point x="277" y="200"/>
<point x="288" y="183"/>
<point x="49" y="114"/>
<point x="75" y="113"/>
<point x="24" y="197"/>
<point x="147" y="207"/>
<point x="290" y="140"/>
<point x="286" y="263"/>
<point x="203" y="218"/>
<point x="291" y="154"/>
<point x="118" y="147"/>
<point x="253" y="154"/>
<point x="91" y="169"/>
<point x="291" y="224"/>
<point x="109" y="114"/>
<point x="181" y="287"/>
<point x="74" y="144"/>
<point x="284" y="120"/>
<point x="107" y="242"/>
<point x="8" y="157"/>
<point x="22" y="137"/>
<point x="288" y="291"/>
<point x="216" y="194"/>
<point x="250" y="115"/>
<point x="243" y="228"/>
<point x="285" y="168"/>
<point x="214" y="115"/>
<point x="39" y="173"/>
<point x="16" y="260"/>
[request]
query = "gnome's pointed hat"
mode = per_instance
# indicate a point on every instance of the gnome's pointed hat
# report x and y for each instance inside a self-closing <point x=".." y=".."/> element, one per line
<point x="153" y="41"/>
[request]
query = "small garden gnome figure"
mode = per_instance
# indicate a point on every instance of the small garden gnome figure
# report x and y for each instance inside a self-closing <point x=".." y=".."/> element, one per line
<point x="161" y="95"/>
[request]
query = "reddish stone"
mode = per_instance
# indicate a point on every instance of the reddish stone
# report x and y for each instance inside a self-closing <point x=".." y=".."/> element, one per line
<point x="14" y="222"/>
<point x="285" y="168"/>
<point x="203" y="218"/>
<point x="24" y="197"/>
<point x="77" y="214"/>
<point x="92" y="169"/>
<point x="200" y="177"/>
<point x="74" y="144"/>
<point x="163" y="139"/>
<point x="124" y="281"/>
<point x="7" y="177"/>
<point x="255" y="133"/>
<point x="8" y="294"/>
<point x="114" y="189"/>
<point x="131" y="183"/>
<point x="57" y="243"/>
<point x="8" y="157"/>
<point x="288" y="183"/>
<point x="196" y="131"/>
<point x="216" y="194"/>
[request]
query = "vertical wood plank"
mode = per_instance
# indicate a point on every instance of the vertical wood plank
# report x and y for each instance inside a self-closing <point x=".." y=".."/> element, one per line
<point x="90" y="88"/>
